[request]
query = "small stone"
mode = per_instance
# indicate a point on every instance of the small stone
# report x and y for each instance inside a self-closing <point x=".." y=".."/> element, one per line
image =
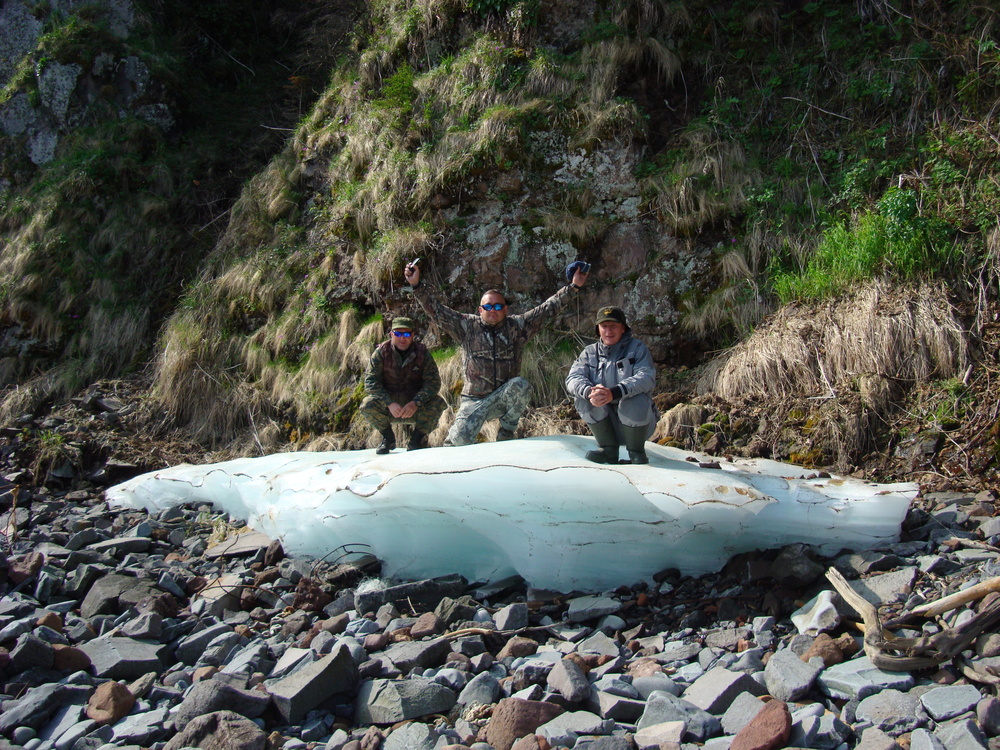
<point x="20" y="569"/>
<point x="818" y="614"/>
<point x="946" y="702"/>
<point x="569" y="680"/>
<point x="69" y="659"/>
<point x="428" y="624"/>
<point x="768" y="730"/>
<point x="512" y="617"/>
<point x="826" y="649"/>
<point x="514" y="718"/>
<point x="518" y="646"/>
<point x="988" y="715"/>
<point x="110" y="702"/>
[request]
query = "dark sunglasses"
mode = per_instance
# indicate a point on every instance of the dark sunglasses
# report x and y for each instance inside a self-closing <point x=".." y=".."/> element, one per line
<point x="497" y="306"/>
<point x="402" y="334"/>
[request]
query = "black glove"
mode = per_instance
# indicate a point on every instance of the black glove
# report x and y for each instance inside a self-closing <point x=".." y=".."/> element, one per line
<point x="576" y="265"/>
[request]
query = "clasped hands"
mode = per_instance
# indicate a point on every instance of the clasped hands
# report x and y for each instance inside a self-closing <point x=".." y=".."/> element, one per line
<point x="402" y="412"/>
<point x="600" y="395"/>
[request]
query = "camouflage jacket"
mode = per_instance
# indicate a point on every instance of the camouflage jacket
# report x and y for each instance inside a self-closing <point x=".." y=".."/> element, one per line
<point x="409" y="376"/>
<point x="491" y="355"/>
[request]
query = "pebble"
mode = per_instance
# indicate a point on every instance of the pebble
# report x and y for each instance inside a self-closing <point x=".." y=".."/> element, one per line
<point x="121" y="628"/>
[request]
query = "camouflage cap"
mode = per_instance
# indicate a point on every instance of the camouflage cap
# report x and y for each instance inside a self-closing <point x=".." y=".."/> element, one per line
<point x="403" y="324"/>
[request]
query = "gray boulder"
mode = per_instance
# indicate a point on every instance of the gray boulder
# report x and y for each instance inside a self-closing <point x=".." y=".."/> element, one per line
<point x="389" y="701"/>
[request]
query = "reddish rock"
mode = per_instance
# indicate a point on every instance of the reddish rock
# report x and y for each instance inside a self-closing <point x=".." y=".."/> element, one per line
<point x="220" y="730"/>
<point x="624" y="251"/>
<point x="274" y="554"/>
<point x="428" y="624"/>
<point x="109" y="703"/>
<point x="644" y="667"/>
<point x="825" y="648"/>
<point x="768" y="730"/>
<point x="848" y="645"/>
<point x="51" y="620"/>
<point x="373" y="739"/>
<point x="269" y="575"/>
<point x="335" y="625"/>
<point x="203" y="673"/>
<point x="376" y="641"/>
<point x="310" y="596"/>
<point x="401" y="635"/>
<point x="69" y="658"/>
<point x="528" y="742"/>
<point x="454" y="658"/>
<point x="163" y="604"/>
<point x="20" y="569"/>
<point x="518" y="646"/>
<point x="513" y="718"/>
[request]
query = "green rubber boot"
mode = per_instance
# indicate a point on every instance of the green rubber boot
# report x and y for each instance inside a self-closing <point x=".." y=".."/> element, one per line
<point x="604" y="433"/>
<point x="635" y="444"/>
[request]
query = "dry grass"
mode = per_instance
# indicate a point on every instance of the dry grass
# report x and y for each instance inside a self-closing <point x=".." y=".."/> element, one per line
<point x="738" y="303"/>
<point x="197" y="389"/>
<point x="708" y="185"/>
<point x="680" y="425"/>
<point x="653" y="17"/>
<point x="546" y="361"/>
<point x="903" y="336"/>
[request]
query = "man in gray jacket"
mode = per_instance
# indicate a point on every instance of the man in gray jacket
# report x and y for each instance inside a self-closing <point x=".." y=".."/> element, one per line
<point x="611" y="382"/>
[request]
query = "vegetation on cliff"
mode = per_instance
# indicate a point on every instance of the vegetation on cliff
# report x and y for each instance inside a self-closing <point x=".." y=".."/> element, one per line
<point x="797" y="152"/>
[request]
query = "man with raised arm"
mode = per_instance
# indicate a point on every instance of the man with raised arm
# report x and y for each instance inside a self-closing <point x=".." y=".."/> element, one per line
<point x="492" y="342"/>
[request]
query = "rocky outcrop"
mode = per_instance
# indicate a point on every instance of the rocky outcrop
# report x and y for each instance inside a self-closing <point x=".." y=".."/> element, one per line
<point x="67" y="93"/>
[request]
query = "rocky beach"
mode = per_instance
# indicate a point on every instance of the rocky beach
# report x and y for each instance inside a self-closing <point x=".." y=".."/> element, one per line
<point x="187" y="629"/>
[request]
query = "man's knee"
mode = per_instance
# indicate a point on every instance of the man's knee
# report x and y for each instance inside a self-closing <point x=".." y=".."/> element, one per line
<point x="518" y="386"/>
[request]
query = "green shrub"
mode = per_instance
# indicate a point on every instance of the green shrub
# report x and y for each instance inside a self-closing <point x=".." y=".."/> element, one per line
<point x="895" y="239"/>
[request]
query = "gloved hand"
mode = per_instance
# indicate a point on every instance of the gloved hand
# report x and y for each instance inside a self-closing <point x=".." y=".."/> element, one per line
<point x="576" y="265"/>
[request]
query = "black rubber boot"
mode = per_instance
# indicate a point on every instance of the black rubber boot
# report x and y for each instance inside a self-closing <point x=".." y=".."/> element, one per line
<point x="418" y="440"/>
<point x="635" y="444"/>
<point x="604" y="433"/>
<point x="388" y="442"/>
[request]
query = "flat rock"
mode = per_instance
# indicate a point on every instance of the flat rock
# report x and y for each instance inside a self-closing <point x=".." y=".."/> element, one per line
<point x="389" y="701"/>
<point x="245" y="543"/>
<point x="308" y="687"/>
<point x="859" y="678"/>
<point x="219" y="730"/>
<point x="893" y="712"/>
<point x="114" y="593"/>
<point x="119" y="658"/>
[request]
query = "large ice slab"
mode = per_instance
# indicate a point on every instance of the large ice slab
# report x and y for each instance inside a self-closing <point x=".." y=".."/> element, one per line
<point x="535" y="507"/>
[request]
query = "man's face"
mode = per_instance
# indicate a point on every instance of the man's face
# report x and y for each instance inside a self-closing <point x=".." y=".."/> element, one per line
<point x="492" y="317"/>
<point x="611" y="332"/>
<point x="402" y="339"/>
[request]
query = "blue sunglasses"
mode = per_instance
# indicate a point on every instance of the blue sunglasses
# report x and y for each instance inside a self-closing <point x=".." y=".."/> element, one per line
<point x="496" y="306"/>
<point x="402" y="334"/>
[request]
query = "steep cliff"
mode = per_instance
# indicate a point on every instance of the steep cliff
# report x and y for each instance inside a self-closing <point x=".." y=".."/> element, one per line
<point x="714" y="161"/>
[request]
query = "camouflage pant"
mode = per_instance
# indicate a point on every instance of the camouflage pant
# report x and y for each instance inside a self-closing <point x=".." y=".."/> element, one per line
<point x="507" y="403"/>
<point x="425" y="420"/>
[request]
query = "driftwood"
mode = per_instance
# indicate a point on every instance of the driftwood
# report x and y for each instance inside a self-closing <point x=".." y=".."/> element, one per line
<point x="909" y="654"/>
